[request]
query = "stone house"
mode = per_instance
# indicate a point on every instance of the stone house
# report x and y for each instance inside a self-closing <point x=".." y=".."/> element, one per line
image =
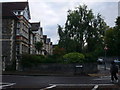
<point x="19" y="35"/>
<point x="48" y="47"/>
<point x="15" y="31"/>
<point x="36" y="29"/>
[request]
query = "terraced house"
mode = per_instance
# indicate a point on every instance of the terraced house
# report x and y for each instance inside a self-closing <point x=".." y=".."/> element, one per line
<point x="18" y="34"/>
<point x="37" y="36"/>
<point x="48" y="47"/>
<point x="37" y="33"/>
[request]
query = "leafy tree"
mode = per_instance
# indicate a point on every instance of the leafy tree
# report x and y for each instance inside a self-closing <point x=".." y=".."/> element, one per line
<point x="112" y="39"/>
<point x="58" y="51"/>
<point x="118" y="35"/>
<point x="83" y="31"/>
<point x="118" y="22"/>
<point x="38" y="46"/>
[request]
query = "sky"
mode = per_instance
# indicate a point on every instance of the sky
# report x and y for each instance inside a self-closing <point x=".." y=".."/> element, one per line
<point x="53" y="12"/>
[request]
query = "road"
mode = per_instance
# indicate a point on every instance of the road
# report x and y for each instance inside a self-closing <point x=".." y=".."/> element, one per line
<point x="40" y="82"/>
<point x="46" y="81"/>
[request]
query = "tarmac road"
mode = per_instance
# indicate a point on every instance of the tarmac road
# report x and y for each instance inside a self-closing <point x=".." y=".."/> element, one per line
<point x="40" y="82"/>
<point x="101" y="79"/>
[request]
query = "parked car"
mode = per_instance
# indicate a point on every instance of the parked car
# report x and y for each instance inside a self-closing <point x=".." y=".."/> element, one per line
<point x="117" y="62"/>
<point x="100" y="61"/>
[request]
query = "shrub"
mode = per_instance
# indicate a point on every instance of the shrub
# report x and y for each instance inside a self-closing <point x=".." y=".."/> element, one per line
<point x="31" y="60"/>
<point x="49" y="59"/>
<point x="90" y="57"/>
<point x="74" y="57"/>
<point x="53" y="59"/>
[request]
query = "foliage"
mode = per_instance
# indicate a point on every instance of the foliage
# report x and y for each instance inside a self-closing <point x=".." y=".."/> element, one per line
<point x="31" y="60"/>
<point x="50" y="59"/>
<point x="34" y="60"/>
<point x="82" y="30"/>
<point x="118" y="35"/>
<point x="58" y="51"/>
<point x="53" y="59"/>
<point x="112" y="39"/>
<point x="38" y="46"/>
<point x="74" y="57"/>
<point x="90" y="57"/>
<point x="118" y="22"/>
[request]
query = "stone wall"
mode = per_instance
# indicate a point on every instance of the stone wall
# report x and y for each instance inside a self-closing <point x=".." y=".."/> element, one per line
<point x="8" y="41"/>
<point x="69" y="69"/>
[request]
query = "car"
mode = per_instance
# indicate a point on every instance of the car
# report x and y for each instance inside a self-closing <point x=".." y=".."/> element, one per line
<point x="117" y="62"/>
<point x="100" y="60"/>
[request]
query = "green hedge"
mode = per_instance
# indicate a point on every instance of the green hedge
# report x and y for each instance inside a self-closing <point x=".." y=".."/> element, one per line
<point x="28" y="60"/>
<point x="31" y="60"/>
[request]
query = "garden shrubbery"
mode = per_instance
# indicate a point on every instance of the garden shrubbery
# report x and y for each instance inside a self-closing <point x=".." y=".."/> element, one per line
<point x="90" y="57"/>
<point x="28" y="60"/>
<point x="74" y="58"/>
<point x="31" y="60"/>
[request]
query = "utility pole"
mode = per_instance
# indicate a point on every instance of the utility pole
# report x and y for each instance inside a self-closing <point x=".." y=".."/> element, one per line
<point x="105" y="49"/>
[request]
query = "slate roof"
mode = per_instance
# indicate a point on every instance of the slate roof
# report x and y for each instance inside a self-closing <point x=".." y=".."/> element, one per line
<point x="44" y="38"/>
<point x="35" y="26"/>
<point x="9" y="7"/>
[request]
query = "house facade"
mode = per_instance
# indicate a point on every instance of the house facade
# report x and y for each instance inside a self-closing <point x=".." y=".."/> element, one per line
<point x="8" y="41"/>
<point x="36" y="29"/>
<point x="48" y="47"/>
<point x="31" y="42"/>
<point x="19" y="35"/>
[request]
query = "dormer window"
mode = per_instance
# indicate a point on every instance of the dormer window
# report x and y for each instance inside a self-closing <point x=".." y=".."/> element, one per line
<point x="19" y="12"/>
<point x="24" y="12"/>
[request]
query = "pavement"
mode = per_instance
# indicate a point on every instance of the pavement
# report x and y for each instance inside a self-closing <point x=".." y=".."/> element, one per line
<point x="101" y="72"/>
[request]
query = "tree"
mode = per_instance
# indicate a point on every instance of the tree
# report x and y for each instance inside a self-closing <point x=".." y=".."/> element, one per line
<point x="58" y="51"/>
<point x="118" y="35"/>
<point x="38" y="46"/>
<point x="112" y="39"/>
<point x="83" y="31"/>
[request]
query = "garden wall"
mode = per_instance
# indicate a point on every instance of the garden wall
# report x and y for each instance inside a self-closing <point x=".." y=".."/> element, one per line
<point x="67" y="69"/>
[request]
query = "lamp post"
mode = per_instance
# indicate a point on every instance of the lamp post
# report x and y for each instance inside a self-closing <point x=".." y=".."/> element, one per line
<point x="105" y="48"/>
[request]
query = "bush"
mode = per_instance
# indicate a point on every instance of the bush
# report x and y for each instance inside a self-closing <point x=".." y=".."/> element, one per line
<point x="53" y="59"/>
<point x="90" y="57"/>
<point x="31" y="60"/>
<point x="74" y="57"/>
<point x="34" y="60"/>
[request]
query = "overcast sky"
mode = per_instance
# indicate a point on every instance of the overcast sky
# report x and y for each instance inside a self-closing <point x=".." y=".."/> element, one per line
<point x="53" y="12"/>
